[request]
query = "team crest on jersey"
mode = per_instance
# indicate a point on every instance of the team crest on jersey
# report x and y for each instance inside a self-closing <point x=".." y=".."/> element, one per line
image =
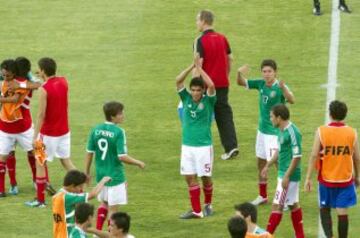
<point x="189" y="105"/>
<point x="201" y="106"/>
<point x="296" y="150"/>
<point x="273" y="94"/>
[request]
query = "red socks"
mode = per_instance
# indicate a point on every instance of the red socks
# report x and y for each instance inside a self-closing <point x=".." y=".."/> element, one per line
<point x="263" y="189"/>
<point x="31" y="160"/>
<point x="208" y="191"/>
<point x="274" y="221"/>
<point x="40" y="191"/>
<point x="2" y="176"/>
<point x="101" y="217"/>
<point x="11" y="166"/>
<point x="194" y="192"/>
<point x="296" y="217"/>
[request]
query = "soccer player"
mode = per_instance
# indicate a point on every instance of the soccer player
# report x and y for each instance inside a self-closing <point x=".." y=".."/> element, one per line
<point x="335" y="153"/>
<point x="248" y="212"/>
<point x="84" y="213"/>
<point x="342" y="7"/>
<point x="289" y="171"/>
<point x="197" y="150"/>
<point x="15" y="124"/>
<point x="64" y="202"/>
<point x="271" y="92"/>
<point x="119" y="227"/>
<point x="51" y="128"/>
<point x="215" y="54"/>
<point x="107" y="143"/>
<point x="237" y="227"/>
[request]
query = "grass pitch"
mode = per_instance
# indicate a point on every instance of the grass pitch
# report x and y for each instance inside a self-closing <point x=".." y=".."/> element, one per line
<point x="131" y="51"/>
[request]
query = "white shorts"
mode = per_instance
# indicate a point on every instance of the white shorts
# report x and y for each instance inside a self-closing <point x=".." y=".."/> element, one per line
<point x="288" y="196"/>
<point x="57" y="146"/>
<point x="8" y="141"/>
<point x="114" y="195"/>
<point x="266" y="145"/>
<point x="196" y="160"/>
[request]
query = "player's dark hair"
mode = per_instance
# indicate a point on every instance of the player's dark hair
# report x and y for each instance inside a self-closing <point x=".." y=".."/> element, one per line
<point x="282" y="111"/>
<point x="121" y="220"/>
<point x="269" y="62"/>
<point x="9" y="65"/>
<point x="338" y="110"/>
<point x="74" y="177"/>
<point x="237" y="227"/>
<point x="197" y="82"/>
<point x="207" y="16"/>
<point x="83" y="211"/>
<point x="111" y="109"/>
<point x="23" y="66"/>
<point x="48" y="65"/>
<point x="247" y="209"/>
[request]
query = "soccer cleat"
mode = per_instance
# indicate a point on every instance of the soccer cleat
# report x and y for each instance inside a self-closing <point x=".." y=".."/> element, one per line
<point x="14" y="190"/>
<point x="50" y="190"/>
<point x="316" y="11"/>
<point x="232" y="154"/>
<point x="259" y="200"/>
<point x="344" y="8"/>
<point x="2" y="195"/>
<point x="191" y="215"/>
<point x="208" y="210"/>
<point x="35" y="203"/>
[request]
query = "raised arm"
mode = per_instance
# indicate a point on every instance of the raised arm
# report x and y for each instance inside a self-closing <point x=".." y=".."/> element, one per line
<point x="287" y="93"/>
<point x="95" y="191"/>
<point x="312" y="162"/>
<point x="242" y="71"/>
<point x="41" y="112"/>
<point x="209" y="83"/>
<point x="25" y="85"/>
<point x="182" y="76"/>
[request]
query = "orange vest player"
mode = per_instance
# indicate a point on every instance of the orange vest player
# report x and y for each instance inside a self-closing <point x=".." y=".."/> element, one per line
<point x="335" y="155"/>
<point x="64" y="202"/>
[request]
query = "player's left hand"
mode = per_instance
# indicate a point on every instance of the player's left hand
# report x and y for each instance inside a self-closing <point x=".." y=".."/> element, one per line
<point x="285" y="182"/>
<point x="141" y="165"/>
<point x="357" y="182"/>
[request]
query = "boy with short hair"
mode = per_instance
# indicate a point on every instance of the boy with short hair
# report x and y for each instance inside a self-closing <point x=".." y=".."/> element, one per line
<point x="84" y="213"/>
<point x="64" y="202"/>
<point x="248" y="211"/>
<point x="107" y="143"/>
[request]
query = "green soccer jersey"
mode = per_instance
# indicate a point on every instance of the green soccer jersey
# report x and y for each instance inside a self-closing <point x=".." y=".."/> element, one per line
<point x="77" y="232"/>
<point x="197" y="118"/>
<point x="108" y="142"/>
<point x="289" y="148"/>
<point x="268" y="97"/>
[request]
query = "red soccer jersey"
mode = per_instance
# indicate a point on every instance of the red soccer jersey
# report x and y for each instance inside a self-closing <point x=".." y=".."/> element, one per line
<point x="24" y="124"/>
<point x="56" y="115"/>
<point x="214" y="48"/>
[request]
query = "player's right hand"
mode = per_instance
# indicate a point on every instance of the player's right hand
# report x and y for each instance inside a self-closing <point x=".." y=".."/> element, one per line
<point x="245" y="69"/>
<point x="106" y="179"/>
<point x="308" y="185"/>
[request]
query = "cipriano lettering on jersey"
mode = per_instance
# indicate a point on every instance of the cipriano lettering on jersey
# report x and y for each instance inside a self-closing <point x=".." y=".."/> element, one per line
<point x="104" y="133"/>
<point x="337" y="150"/>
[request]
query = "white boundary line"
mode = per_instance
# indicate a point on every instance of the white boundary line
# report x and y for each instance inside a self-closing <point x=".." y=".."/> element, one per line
<point x="332" y="70"/>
